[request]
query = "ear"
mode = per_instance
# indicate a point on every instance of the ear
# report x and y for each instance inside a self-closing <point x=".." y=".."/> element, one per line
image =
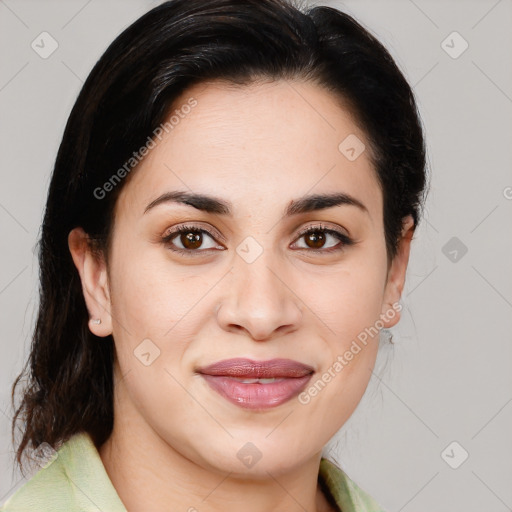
<point x="396" y="275"/>
<point x="93" y="274"/>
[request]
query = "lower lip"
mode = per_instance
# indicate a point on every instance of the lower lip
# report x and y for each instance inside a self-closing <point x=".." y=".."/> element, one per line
<point x="257" y="396"/>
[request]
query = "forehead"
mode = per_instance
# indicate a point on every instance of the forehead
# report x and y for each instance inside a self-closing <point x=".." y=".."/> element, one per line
<point x="258" y="146"/>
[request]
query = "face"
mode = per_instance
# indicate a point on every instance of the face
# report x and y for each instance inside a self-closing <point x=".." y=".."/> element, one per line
<point x="243" y="279"/>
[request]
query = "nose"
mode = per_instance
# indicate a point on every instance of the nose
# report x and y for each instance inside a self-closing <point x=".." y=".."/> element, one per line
<point x="260" y="301"/>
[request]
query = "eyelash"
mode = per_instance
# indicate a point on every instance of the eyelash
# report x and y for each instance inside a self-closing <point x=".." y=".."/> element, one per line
<point x="344" y="239"/>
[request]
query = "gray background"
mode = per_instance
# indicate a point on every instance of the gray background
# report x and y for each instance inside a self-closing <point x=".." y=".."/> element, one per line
<point x="448" y="377"/>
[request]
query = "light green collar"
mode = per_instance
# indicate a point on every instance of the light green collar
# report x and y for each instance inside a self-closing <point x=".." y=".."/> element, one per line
<point x="347" y="495"/>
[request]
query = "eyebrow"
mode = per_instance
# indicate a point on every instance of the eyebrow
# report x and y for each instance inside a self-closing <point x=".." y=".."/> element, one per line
<point x="217" y="206"/>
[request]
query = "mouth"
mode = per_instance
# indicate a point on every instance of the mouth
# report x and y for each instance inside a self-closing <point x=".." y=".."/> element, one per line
<point x="257" y="384"/>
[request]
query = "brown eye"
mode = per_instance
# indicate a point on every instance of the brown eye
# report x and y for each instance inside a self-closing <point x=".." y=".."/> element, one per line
<point x="319" y="240"/>
<point x="191" y="240"/>
<point x="315" y="239"/>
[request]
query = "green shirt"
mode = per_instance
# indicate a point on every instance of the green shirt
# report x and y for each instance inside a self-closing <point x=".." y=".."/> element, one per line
<point x="76" y="481"/>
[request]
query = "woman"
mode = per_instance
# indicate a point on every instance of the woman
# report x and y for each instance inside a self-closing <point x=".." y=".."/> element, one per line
<point x="227" y="231"/>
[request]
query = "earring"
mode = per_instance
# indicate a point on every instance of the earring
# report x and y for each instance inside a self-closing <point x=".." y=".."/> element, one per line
<point x="96" y="321"/>
<point x="391" y="338"/>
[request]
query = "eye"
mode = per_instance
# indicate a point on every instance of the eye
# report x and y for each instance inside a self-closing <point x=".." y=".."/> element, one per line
<point x="188" y="239"/>
<point x="317" y="237"/>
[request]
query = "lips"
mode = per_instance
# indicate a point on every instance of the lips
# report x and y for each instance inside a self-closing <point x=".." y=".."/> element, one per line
<point x="257" y="384"/>
<point x="247" y="368"/>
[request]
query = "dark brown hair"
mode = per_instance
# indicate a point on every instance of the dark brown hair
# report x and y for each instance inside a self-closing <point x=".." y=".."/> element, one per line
<point x="69" y="372"/>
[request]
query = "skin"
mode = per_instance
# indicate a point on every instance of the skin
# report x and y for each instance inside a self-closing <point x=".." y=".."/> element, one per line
<point x="175" y="441"/>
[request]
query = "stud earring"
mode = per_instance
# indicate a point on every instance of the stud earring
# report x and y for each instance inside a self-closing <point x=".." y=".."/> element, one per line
<point x="97" y="321"/>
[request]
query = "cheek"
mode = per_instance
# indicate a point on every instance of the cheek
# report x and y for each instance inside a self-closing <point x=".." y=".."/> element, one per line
<point x="156" y="300"/>
<point x="349" y="303"/>
<point x="149" y="294"/>
<point x="349" y="300"/>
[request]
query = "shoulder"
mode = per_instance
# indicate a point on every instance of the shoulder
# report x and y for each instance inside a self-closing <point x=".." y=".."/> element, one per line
<point x="49" y="487"/>
<point x="348" y="496"/>
<point x="73" y="480"/>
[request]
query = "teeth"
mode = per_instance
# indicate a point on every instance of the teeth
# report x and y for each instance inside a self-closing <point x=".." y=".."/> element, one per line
<point x="253" y="381"/>
<point x="267" y="381"/>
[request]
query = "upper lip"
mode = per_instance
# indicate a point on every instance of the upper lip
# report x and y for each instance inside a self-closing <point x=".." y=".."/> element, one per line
<point x="242" y="367"/>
